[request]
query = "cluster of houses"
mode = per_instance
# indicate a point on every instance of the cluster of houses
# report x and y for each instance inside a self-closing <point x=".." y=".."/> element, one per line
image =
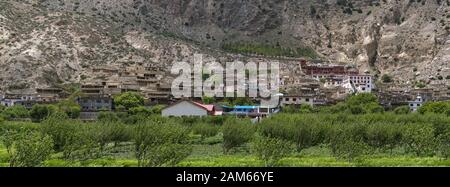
<point x="30" y="97"/>
<point x="324" y="84"/>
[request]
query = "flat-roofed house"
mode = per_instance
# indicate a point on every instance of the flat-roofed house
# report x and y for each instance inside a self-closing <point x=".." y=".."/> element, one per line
<point x="297" y="100"/>
<point x="416" y="104"/>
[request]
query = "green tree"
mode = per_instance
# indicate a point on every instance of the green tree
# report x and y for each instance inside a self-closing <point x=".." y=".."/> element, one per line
<point x="347" y="142"/>
<point x="70" y="107"/>
<point x="30" y="150"/>
<point x="160" y="143"/>
<point x="362" y="99"/>
<point x="68" y="135"/>
<point x="444" y="144"/>
<point x="109" y="131"/>
<point x="236" y="132"/>
<point x="40" y="112"/>
<point x="208" y="100"/>
<point x="271" y="150"/>
<point x="129" y="100"/>
<point x="419" y="139"/>
<point x="435" y="107"/>
<point x="108" y="116"/>
<point x="242" y="101"/>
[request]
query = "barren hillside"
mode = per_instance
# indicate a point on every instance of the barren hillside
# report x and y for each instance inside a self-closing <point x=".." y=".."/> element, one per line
<point x="45" y="42"/>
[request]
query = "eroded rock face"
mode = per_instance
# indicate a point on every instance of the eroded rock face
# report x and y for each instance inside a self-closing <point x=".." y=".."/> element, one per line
<point x="407" y="39"/>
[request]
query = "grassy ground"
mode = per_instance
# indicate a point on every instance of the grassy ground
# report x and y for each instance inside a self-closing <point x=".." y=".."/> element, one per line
<point x="212" y="156"/>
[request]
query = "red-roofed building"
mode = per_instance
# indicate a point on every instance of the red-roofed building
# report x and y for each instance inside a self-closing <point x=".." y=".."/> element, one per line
<point x="190" y="108"/>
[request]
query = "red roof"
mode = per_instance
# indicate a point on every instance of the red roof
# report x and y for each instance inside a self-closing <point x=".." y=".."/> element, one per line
<point x="209" y="108"/>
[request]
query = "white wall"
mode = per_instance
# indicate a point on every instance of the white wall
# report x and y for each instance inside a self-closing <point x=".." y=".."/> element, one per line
<point x="184" y="109"/>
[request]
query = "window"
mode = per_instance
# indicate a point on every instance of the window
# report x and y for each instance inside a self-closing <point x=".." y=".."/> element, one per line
<point x="307" y="100"/>
<point x="411" y="104"/>
<point x="295" y="99"/>
<point x="287" y="99"/>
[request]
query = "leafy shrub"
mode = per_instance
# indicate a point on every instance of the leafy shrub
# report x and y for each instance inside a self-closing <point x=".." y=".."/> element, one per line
<point x="402" y="110"/>
<point x="306" y="109"/>
<point x="236" y="132"/>
<point x="15" y="112"/>
<point x="362" y="99"/>
<point x="356" y="109"/>
<point x="157" y="109"/>
<point x="40" y="112"/>
<point x="271" y="150"/>
<point x="107" y="116"/>
<point x="435" y="107"/>
<point x="140" y="110"/>
<point x="374" y="108"/>
<point x="289" y="109"/>
<point x="386" y="78"/>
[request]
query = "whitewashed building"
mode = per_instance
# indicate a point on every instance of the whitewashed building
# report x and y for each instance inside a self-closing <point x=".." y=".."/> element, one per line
<point x="358" y="83"/>
<point x="416" y="104"/>
<point x="188" y="108"/>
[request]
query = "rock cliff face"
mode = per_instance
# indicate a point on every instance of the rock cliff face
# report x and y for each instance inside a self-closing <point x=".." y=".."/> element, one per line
<point x="408" y="39"/>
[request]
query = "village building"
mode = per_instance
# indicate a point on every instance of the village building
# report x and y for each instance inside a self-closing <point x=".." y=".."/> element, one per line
<point x="106" y="70"/>
<point x="416" y="104"/>
<point x="333" y="81"/>
<point x="17" y="97"/>
<point x="359" y="83"/>
<point x="320" y="71"/>
<point x="441" y="92"/>
<point x="50" y="95"/>
<point x="393" y="99"/>
<point x="297" y="100"/>
<point x="427" y="94"/>
<point x="92" y="105"/>
<point x="189" y="108"/>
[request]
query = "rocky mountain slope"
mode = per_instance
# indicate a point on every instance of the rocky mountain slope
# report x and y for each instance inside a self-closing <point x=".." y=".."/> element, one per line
<point x="45" y="42"/>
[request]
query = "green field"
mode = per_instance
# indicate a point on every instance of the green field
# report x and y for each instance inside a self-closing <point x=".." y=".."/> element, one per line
<point x="205" y="155"/>
<point x="357" y="133"/>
